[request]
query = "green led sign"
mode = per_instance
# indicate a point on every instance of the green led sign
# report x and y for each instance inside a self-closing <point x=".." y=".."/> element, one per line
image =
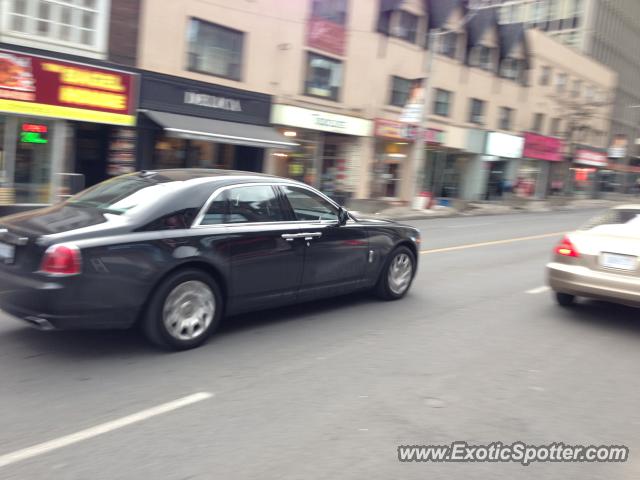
<point x="32" y="137"/>
<point x="34" y="133"/>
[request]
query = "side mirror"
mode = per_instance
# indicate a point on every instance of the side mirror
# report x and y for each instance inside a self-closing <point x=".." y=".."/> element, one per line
<point x="343" y="216"/>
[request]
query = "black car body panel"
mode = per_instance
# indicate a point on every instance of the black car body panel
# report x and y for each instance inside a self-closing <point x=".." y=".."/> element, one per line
<point x="125" y="255"/>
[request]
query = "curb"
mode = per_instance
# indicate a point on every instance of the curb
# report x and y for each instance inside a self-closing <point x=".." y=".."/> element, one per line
<point x="419" y="216"/>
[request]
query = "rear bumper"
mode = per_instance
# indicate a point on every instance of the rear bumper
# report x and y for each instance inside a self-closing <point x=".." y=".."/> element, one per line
<point x="584" y="282"/>
<point x="54" y="304"/>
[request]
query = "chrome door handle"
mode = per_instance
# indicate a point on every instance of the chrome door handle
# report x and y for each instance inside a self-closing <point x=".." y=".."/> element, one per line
<point x="290" y="237"/>
<point x="309" y="236"/>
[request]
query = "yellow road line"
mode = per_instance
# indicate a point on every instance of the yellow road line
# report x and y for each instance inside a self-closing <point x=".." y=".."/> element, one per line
<point x="494" y="242"/>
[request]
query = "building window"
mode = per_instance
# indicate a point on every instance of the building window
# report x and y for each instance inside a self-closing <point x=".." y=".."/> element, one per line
<point x="447" y="44"/>
<point x="577" y="86"/>
<point x="72" y="23"/>
<point x="588" y="93"/>
<point x="511" y="69"/>
<point x="538" y="121"/>
<point x="476" y="111"/>
<point x="506" y="118"/>
<point x="407" y="26"/>
<point x="561" y="82"/>
<point x="545" y="75"/>
<point x="324" y="77"/>
<point x="332" y="10"/>
<point x="214" y="50"/>
<point x="442" y="102"/>
<point x="400" y="89"/>
<point x="481" y="57"/>
<point x="555" y="127"/>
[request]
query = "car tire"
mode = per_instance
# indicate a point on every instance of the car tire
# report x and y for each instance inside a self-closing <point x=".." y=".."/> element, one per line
<point x="565" y="299"/>
<point x="184" y="310"/>
<point x="389" y="289"/>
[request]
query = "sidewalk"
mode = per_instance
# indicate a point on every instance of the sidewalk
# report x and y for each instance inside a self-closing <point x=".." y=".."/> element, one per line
<point x="469" y="209"/>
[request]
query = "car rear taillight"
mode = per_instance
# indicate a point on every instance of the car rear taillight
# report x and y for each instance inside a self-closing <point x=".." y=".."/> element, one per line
<point x="566" y="248"/>
<point x="63" y="259"/>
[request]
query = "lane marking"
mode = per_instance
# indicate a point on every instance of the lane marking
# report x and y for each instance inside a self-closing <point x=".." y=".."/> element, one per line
<point x="494" y="242"/>
<point x="65" y="441"/>
<point x="535" y="291"/>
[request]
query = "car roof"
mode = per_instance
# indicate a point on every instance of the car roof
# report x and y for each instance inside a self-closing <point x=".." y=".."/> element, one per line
<point x="195" y="176"/>
<point x="183" y="174"/>
<point x="628" y="206"/>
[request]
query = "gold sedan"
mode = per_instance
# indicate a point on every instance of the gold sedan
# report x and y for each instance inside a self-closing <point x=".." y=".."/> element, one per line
<point x="600" y="260"/>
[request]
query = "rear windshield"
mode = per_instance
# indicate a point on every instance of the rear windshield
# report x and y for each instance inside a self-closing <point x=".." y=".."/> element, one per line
<point x="123" y="194"/>
<point x="619" y="216"/>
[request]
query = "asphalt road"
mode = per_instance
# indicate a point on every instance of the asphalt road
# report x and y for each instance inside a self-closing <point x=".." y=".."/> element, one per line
<point x="328" y="390"/>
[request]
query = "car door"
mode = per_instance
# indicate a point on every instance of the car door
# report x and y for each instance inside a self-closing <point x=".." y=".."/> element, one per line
<point x="336" y="256"/>
<point x="265" y="265"/>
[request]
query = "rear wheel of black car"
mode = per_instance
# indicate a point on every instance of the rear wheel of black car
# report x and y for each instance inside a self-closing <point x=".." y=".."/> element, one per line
<point x="184" y="311"/>
<point x="565" y="299"/>
<point x="397" y="274"/>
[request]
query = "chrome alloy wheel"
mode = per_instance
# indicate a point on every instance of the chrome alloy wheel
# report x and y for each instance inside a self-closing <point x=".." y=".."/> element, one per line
<point x="188" y="310"/>
<point x="400" y="273"/>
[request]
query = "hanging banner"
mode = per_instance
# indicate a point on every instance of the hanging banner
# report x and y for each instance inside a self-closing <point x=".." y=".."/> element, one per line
<point x="412" y="111"/>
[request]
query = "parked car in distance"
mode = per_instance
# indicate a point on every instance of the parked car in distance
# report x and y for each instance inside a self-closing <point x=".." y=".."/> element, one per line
<point x="175" y="250"/>
<point x="600" y="260"/>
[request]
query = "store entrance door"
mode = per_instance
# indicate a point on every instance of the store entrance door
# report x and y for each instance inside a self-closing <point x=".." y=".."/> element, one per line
<point x="495" y="183"/>
<point x="91" y="152"/>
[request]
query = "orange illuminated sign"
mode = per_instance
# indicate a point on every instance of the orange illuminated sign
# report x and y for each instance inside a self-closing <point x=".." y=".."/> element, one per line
<point x="41" y="86"/>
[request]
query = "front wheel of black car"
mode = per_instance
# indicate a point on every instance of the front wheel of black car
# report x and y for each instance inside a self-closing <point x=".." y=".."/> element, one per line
<point x="397" y="274"/>
<point x="184" y="311"/>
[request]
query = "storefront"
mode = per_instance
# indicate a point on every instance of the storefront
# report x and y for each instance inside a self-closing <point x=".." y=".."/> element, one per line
<point x="393" y="150"/>
<point x="185" y="123"/>
<point x="492" y="171"/>
<point x="329" y="148"/>
<point x="541" y="170"/>
<point x="61" y="120"/>
<point x="590" y="173"/>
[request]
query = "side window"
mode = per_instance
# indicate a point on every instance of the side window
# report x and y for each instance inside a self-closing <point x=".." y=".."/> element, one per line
<point x="256" y="203"/>
<point x="309" y="206"/>
<point x="217" y="212"/>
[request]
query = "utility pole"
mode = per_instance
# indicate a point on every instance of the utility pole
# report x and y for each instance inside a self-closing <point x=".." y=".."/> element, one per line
<point x="420" y="143"/>
<point x="419" y="152"/>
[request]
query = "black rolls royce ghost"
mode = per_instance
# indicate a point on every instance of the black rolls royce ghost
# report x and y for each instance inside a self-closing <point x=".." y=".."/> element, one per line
<point x="175" y="250"/>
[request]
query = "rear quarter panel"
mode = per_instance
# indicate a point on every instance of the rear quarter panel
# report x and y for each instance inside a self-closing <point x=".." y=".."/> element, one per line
<point x="123" y="271"/>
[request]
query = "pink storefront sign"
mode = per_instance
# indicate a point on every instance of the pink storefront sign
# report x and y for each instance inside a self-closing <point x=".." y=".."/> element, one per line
<point x="325" y="35"/>
<point x="541" y="147"/>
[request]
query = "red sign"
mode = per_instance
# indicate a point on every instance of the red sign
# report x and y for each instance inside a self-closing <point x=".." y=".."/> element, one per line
<point x="33" y="85"/>
<point x="540" y="147"/>
<point x="325" y="35"/>
<point x="34" y="127"/>
<point x="403" y="131"/>
<point x="591" y="157"/>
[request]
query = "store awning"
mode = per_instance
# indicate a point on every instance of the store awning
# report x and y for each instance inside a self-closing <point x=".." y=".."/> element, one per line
<point x="196" y="128"/>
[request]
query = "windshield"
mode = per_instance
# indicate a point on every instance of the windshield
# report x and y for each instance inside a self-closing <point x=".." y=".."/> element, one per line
<point x="122" y="194"/>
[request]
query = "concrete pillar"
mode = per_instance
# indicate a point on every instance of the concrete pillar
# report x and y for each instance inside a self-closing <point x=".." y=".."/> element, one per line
<point x="367" y="147"/>
<point x="269" y="161"/>
<point x="474" y="179"/>
<point x="58" y="150"/>
<point x="543" y="180"/>
<point x="9" y="150"/>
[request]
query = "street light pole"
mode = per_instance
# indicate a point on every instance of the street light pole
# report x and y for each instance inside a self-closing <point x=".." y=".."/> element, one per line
<point x="419" y="152"/>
